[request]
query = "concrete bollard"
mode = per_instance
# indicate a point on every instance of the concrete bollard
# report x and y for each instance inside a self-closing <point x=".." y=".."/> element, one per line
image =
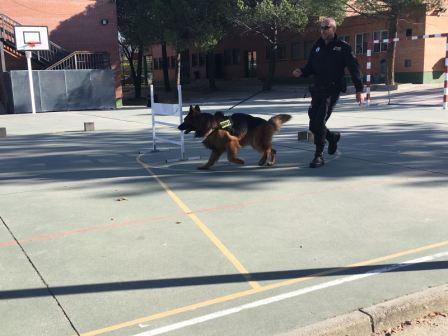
<point x="2" y="132"/>
<point x="89" y="126"/>
<point x="307" y="136"/>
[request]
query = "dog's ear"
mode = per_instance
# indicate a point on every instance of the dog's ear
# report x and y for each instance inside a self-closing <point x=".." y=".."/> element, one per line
<point x="191" y="108"/>
<point x="197" y="108"/>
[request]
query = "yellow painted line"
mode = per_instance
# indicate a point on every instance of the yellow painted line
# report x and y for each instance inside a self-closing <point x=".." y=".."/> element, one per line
<point x="229" y="255"/>
<point x="173" y="312"/>
<point x="252" y="291"/>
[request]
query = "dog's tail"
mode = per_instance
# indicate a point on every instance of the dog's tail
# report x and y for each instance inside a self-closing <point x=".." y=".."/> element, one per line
<point x="278" y="120"/>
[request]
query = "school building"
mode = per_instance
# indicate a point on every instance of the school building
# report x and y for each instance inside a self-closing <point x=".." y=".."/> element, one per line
<point x="244" y="56"/>
<point x="83" y="35"/>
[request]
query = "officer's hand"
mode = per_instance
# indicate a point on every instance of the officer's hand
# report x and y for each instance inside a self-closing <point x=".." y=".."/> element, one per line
<point x="360" y="98"/>
<point x="297" y="72"/>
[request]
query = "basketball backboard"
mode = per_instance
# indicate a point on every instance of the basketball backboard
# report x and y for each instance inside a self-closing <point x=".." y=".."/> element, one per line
<point x="31" y="38"/>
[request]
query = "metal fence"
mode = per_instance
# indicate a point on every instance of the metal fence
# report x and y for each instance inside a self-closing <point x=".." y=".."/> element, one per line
<point x="61" y="90"/>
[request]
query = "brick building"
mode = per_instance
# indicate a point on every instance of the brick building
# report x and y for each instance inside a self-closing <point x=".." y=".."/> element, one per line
<point x="74" y="25"/>
<point x="418" y="61"/>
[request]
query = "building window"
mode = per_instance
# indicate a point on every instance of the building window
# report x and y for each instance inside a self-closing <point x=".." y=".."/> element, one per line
<point x="380" y="35"/>
<point x="361" y="43"/>
<point x="307" y="46"/>
<point x="295" y="51"/>
<point x="156" y="64"/>
<point x="345" y="38"/>
<point x="201" y="59"/>
<point x="268" y="52"/>
<point x="194" y="60"/>
<point x="236" y="57"/>
<point x="409" y="32"/>
<point x="227" y="57"/>
<point x="281" y="52"/>
<point x="407" y="63"/>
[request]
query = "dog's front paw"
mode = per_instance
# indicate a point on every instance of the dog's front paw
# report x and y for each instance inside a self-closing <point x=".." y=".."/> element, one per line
<point x="270" y="163"/>
<point x="203" y="168"/>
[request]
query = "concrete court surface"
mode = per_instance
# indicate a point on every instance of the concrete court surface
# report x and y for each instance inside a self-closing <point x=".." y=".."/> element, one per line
<point x="98" y="235"/>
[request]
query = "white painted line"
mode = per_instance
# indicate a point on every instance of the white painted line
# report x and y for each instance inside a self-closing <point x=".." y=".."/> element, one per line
<point x="289" y="295"/>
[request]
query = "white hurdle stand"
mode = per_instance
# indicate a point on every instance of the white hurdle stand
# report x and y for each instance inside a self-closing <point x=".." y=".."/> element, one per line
<point x="158" y="109"/>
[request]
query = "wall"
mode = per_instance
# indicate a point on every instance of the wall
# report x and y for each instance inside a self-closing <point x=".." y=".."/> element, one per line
<point x="435" y="48"/>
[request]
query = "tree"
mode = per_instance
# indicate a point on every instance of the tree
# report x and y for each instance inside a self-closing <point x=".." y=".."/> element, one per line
<point x="142" y="23"/>
<point x="202" y="24"/>
<point x="268" y="18"/>
<point x="393" y="10"/>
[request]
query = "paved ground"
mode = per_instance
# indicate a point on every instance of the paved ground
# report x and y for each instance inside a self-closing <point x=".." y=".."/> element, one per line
<point x="99" y="235"/>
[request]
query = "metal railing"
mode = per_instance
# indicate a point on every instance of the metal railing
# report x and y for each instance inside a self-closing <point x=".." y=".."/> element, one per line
<point x="83" y="60"/>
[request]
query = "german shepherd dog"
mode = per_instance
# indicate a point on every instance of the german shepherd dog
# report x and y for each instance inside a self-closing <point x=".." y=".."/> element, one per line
<point x="228" y="134"/>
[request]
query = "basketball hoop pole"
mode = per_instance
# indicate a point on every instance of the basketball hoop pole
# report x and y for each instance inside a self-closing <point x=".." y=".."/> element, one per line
<point x="30" y="77"/>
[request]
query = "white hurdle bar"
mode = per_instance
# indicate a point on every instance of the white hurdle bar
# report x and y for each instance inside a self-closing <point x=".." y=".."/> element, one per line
<point x="397" y="39"/>
<point x="167" y="110"/>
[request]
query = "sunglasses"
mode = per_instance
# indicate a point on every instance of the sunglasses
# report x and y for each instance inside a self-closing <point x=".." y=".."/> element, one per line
<point x="325" y="27"/>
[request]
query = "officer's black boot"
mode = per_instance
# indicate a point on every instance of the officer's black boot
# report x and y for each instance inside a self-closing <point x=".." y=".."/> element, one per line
<point x="333" y="139"/>
<point x="318" y="160"/>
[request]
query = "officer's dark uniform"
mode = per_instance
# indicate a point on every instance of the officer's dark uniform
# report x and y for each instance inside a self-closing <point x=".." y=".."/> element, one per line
<point x="327" y="63"/>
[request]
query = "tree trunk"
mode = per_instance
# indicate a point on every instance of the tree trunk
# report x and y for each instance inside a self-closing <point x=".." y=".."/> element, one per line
<point x="138" y="75"/>
<point x="166" y="79"/>
<point x="211" y="69"/>
<point x="267" y="85"/>
<point x="130" y="57"/>
<point x="391" y="51"/>
<point x="178" y="68"/>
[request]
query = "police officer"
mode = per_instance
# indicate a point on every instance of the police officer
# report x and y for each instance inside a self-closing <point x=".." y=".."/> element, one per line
<point x="327" y="61"/>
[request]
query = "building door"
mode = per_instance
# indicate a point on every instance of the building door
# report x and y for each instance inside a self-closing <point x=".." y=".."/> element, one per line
<point x="251" y="63"/>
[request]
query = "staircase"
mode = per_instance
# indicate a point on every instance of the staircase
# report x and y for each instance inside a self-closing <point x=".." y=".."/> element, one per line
<point x="56" y="58"/>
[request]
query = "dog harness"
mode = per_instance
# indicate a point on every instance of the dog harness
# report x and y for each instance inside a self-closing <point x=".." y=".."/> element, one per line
<point x="224" y="125"/>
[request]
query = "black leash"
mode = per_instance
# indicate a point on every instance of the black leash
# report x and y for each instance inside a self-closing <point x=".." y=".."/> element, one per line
<point x="251" y="96"/>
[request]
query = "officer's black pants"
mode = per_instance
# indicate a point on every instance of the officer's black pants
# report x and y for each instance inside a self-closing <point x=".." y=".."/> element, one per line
<point x="322" y="104"/>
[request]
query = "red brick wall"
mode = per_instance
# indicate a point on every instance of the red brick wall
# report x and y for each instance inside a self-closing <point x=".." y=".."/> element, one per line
<point x="73" y="24"/>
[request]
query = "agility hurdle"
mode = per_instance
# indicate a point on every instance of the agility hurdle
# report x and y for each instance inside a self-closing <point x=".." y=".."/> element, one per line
<point x="410" y="38"/>
<point x="158" y="109"/>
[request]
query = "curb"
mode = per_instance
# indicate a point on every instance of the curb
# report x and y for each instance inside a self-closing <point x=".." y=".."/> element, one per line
<point x="380" y="317"/>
